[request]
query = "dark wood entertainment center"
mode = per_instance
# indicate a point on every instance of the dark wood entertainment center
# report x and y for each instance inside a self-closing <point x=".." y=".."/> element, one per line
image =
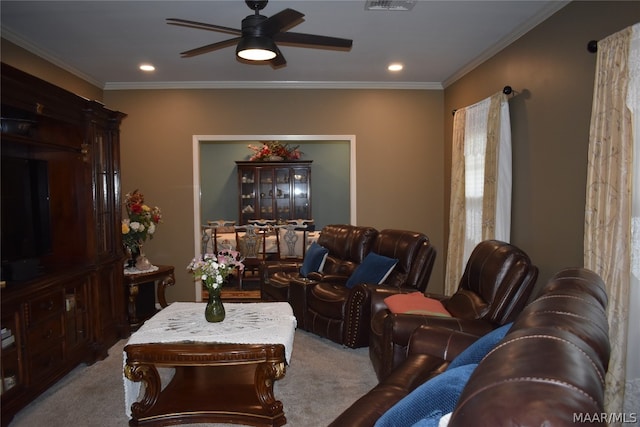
<point x="63" y="297"/>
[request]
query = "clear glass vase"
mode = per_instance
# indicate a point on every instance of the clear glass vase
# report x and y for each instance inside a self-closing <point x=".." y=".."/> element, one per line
<point x="214" y="312"/>
<point x="142" y="262"/>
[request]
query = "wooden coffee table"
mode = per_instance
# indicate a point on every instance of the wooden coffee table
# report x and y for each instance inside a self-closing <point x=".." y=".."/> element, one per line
<point x="224" y="372"/>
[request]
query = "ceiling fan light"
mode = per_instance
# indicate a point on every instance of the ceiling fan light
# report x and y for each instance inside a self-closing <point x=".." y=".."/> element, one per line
<point x="256" y="48"/>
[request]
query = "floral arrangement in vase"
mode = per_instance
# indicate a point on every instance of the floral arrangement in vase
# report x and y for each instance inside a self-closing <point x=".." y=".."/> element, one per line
<point x="274" y="151"/>
<point x="212" y="271"/>
<point x="141" y="222"/>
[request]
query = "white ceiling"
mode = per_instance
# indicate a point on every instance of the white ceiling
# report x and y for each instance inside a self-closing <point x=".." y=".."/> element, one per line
<point x="105" y="41"/>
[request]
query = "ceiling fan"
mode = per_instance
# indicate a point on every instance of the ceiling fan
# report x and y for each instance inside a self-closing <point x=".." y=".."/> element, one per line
<point x="256" y="41"/>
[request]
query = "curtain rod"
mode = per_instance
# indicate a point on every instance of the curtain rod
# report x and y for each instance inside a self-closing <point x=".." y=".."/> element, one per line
<point x="507" y="90"/>
<point x="592" y="46"/>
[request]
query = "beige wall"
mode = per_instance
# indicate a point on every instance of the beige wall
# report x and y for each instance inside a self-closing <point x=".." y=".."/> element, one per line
<point x="553" y="72"/>
<point x="399" y="143"/>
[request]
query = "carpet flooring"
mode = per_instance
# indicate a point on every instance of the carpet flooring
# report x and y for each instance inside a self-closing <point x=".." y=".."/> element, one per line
<point x="322" y="380"/>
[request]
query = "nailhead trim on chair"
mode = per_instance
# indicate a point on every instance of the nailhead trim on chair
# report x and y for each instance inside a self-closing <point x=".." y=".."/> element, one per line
<point x="353" y="319"/>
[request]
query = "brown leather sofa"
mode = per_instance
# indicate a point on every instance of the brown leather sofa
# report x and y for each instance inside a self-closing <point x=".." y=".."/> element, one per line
<point x="495" y="286"/>
<point x="548" y="369"/>
<point x="324" y="304"/>
<point x="347" y="245"/>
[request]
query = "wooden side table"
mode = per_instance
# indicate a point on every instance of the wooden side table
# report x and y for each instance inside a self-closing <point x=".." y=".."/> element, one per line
<point x="162" y="277"/>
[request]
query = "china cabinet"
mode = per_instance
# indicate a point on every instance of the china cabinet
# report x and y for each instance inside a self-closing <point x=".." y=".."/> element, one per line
<point x="63" y="300"/>
<point x="277" y="191"/>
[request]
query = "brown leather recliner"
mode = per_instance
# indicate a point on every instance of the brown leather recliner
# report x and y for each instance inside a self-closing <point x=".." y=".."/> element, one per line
<point x="548" y="369"/>
<point x="347" y="245"/>
<point x="342" y="314"/>
<point x="568" y="327"/>
<point x="496" y="284"/>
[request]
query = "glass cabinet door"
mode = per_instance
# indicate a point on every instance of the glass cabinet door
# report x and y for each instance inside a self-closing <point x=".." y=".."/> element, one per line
<point x="278" y="191"/>
<point x="11" y="367"/>
<point x="248" y="194"/>
<point x="266" y="194"/>
<point x="301" y="189"/>
<point x="283" y="194"/>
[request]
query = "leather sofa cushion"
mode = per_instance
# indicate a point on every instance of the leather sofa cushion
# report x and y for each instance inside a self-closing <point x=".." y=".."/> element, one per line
<point x="400" y="244"/>
<point x="329" y="299"/>
<point x="347" y="242"/>
<point x="465" y="304"/>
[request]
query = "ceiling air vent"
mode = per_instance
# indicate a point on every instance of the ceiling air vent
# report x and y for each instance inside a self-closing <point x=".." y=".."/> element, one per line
<point x="389" y="4"/>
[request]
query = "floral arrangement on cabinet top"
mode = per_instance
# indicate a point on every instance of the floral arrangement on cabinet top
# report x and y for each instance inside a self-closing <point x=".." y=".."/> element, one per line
<point x="274" y="151"/>
<point x="141" y="224"/>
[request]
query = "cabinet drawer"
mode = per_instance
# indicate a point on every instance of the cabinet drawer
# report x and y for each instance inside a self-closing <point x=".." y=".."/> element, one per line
<point x="45" y="362"/>
<point x="42" y="307"/>
<point x="45" y="334"/>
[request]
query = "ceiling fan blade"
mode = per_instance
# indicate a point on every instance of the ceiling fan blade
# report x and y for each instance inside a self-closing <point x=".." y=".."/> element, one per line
<point x="203" y="26"/>
<point x="210" y="47"/>
<point x="312" y="40"/>
<point x="281" y="21"/>
<point x="279" y="60"/>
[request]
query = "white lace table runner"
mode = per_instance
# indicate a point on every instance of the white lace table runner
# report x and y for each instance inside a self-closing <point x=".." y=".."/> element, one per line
<point x="130" y="271"/>
<point x="244" y="323"/>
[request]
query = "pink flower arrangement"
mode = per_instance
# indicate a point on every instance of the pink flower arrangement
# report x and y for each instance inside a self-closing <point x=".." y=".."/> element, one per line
<point x="213" y="270"/>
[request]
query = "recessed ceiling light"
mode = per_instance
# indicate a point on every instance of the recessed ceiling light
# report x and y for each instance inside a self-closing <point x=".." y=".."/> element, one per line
<point x="147" y="67"/>
<point x="395" y="67"/>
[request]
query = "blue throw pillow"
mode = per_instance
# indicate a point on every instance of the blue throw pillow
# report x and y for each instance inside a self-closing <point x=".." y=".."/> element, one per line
<point x="479" y="349"/>
<point x="430" y="401"/>
<point x="431" y="420"/>
<point x="314" y="259"/>
<point x="373" y="269"/>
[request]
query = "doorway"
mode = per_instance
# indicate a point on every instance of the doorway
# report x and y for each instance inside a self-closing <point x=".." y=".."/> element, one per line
<point x="215" y="180"/>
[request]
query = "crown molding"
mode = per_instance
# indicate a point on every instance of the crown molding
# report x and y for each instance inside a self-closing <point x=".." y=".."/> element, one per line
<point x="30" y="47"/>
<point x="272" y="85"/>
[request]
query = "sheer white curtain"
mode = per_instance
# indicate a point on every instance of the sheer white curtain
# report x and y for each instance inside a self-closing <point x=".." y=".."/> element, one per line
<point x="612" y="213"/>
<point x="480" y="181"/>
<point x="632" y="382"/>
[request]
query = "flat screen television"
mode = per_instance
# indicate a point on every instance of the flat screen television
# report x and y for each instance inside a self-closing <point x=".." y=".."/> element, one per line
<point x="26" y="222"/>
